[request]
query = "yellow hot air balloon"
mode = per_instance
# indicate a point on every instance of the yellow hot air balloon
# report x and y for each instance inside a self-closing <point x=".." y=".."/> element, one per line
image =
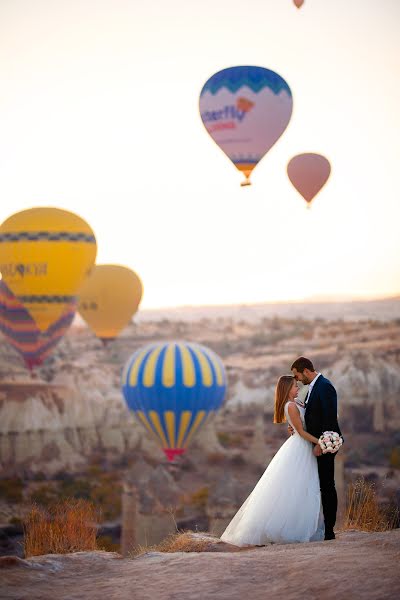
<point x="45" y="254"/>
<point x="108" y="299"/>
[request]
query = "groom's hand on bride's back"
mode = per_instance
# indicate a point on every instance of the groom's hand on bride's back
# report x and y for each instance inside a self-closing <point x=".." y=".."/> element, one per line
<point x="290" y="430"/>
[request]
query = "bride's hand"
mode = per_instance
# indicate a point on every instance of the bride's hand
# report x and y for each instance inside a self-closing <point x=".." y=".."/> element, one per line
<point x="317" y="450"/>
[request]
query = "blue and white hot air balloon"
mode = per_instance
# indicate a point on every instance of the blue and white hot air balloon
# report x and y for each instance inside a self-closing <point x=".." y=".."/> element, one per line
<point x="173" y="388"/>
<point x="245" y="110"/>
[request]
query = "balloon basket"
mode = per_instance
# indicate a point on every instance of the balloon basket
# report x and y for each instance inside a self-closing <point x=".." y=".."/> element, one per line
<point x="31" y="364"/>
<point x="172" y="453"/>
<point x="244" y="183"/>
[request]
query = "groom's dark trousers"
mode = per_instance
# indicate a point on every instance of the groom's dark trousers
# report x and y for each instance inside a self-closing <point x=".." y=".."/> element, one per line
<point x="326" y="472"/>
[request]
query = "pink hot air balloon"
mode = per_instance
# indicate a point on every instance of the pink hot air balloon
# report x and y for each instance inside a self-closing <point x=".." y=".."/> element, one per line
<point x="298" y="3"/>
<point x="308" y="173"/>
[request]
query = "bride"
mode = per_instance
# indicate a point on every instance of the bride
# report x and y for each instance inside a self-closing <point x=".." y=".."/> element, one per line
<point x="285" y="505"/>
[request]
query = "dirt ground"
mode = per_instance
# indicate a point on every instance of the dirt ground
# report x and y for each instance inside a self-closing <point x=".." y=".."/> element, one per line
<point x="355" y="566"/>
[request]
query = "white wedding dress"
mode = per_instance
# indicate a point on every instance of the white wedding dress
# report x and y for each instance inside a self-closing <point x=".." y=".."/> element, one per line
<point x="285" y="505"/>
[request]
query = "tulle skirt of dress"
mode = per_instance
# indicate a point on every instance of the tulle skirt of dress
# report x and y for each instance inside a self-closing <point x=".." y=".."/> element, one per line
<point x="285" y="505"/>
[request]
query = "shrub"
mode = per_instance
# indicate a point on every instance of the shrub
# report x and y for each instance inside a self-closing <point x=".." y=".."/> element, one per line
<point x="230" y="440"/>
<point x="11" y="490"/>
<point x="103" y="489"/>
<point x="39" y="476"/>
<point x="260" y="339"/>
<point x="223" y="438"/>
<point x="238" y="460"/>
<point x="43" y="495"/>
<point x="17" y="521"/>
<point x="395" y="458"/>
<point x="363" y="511"/>
<point x="215" y="458"/>
<point x="68" y="526"/>
<point x="199" y="498"/>
<point x="107" y="494"/>
<point x="95" y="471"/>
<point x="106" y="543"/>
<point x="75" y="488"/>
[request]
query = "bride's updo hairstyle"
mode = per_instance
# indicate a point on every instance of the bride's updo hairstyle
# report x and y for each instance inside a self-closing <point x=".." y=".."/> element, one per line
<point x="282" y="390"/>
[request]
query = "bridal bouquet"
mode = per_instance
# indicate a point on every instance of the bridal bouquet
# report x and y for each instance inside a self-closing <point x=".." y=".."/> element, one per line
<point x="330" y="441"/>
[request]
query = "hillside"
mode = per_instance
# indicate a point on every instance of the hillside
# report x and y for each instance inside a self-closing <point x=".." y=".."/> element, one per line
<point x="383" y="309"/>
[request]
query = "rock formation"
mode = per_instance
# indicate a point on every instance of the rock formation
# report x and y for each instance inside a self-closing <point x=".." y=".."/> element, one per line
<point x="259" y="453"/>
<point x="222" y="504"/>
<point x="72" y="407"/>
<point x="149" y="499"/>
<point x="53" y="427"/>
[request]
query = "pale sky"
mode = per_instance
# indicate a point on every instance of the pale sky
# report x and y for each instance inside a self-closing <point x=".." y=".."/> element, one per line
<point x="99" y="115"/>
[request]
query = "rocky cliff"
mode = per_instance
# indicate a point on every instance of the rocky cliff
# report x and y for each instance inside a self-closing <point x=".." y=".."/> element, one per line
<point x="72" y="407"/>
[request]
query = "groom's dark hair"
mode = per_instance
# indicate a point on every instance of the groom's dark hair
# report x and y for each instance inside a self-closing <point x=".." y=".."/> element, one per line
<point x="302" y="363"/>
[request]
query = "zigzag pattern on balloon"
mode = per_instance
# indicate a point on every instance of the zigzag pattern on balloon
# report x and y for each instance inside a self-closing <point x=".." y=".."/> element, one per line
<point x="21" y="331"/>
<point x="255" y="78"/>
<point x="52" y="236"/>
<point x="246" y="163"/>
<point x="46" y="299"/>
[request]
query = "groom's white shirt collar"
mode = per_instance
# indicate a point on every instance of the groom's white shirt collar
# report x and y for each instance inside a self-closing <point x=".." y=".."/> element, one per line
<point x="311" y="385"/>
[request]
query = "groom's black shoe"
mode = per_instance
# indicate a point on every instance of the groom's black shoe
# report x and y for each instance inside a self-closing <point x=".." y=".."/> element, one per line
<point x="329" y="535"/>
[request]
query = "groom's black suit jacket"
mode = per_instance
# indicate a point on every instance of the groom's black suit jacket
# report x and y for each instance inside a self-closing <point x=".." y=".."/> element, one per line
<point x="321" y="409"/>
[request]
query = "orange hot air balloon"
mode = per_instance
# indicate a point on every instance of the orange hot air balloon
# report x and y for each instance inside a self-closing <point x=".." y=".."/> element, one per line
<point x="308" y="173"/>
<point x="298" y="3"/>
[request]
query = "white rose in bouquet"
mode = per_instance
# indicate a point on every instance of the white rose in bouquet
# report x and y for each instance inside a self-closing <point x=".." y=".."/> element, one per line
<point x="330" y="441"/>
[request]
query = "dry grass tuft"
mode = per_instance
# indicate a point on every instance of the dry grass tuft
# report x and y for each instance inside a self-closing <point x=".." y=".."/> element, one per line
<point x="215" y="458"/>
<point x="68" y="526"/>
<point x="363" y="511"/>
<point x="176" y="542"/>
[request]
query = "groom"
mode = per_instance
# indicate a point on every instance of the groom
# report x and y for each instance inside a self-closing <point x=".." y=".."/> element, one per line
<point x="321" y="415"/>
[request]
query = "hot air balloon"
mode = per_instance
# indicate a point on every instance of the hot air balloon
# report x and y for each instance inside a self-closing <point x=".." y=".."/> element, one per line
<point x="22" y="333"/>
<point x="308" y="173"/>
<point x="173" y="388"/>
<point x="245" y="110"/>
<point x="45" y="254"/>
<point x="108" y="299"/>
<point x="298" y="3"/>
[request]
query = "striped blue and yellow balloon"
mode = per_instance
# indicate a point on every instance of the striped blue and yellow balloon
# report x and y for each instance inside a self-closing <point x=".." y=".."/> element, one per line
<point x="173" y="388"/>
